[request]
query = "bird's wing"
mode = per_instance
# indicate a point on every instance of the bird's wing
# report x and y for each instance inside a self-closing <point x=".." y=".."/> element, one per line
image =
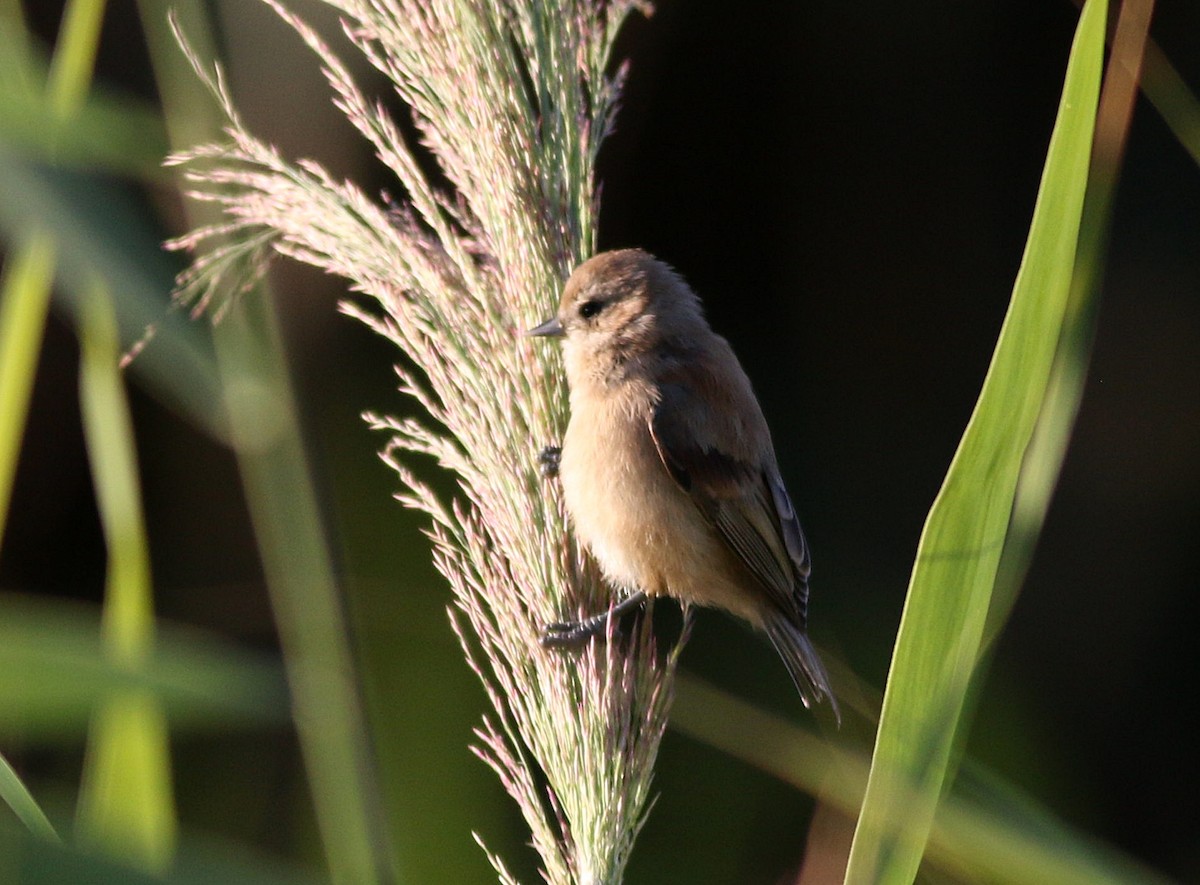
<point x="744" y="501"/>
<point x="793" y="537"/>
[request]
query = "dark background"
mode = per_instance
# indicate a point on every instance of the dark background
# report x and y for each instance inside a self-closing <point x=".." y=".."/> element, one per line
<point x="848" y="186"/>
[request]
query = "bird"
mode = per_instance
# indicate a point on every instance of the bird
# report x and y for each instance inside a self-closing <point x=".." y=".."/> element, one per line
<point x="667" y="467"/>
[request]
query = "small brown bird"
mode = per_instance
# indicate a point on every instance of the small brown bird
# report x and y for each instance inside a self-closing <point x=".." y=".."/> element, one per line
<point x="667" y="467"/>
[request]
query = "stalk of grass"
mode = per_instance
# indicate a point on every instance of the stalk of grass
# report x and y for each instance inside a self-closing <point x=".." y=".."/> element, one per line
<point x="25" y="295"/>
<point x="26" y="292"/>
<point x="513" y="100"/>
<point x="263" y="428"/>
<point x="304" y="594"/>
<point x="24" y="303"/>
<point x="126" y="804"/>
<point x="951" y="589"/>
<point x="1169" y="93"/>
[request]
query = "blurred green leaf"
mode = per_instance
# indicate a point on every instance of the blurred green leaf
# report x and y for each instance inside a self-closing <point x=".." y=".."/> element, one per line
<point x="988" y="831"/>
<point x="29" y="861"/>
<point x="126" y="803"/>
<point x="17" y="796"/>
<point x="952" y="583"/>
<point x="107" y="134"/>
<point x="98" y="230"/>
<point x="24" y="301"/>
<point x="53" y="672"/>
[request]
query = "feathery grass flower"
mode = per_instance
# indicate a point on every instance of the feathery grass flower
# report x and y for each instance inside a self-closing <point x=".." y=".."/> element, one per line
<point x="513" y="99"/>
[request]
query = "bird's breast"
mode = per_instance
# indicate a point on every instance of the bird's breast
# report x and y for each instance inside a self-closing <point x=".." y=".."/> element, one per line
<point x="640" y="526"/>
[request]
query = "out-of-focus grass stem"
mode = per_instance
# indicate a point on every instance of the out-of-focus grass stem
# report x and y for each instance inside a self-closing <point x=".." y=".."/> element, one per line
<point x="24" y="302"/>
<point x="25" y="292"/>
<point x="265" y="433"/>
<point x="304" y="594"/>
<point x="75" y="55"/>
<point x="16" y="796"/>
<point x="126" y="804"/>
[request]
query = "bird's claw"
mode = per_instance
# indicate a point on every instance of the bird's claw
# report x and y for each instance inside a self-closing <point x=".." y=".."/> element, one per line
<point x="548" y="461"/>
<point x="569" y="634"/>
<point x="572" y="634"/>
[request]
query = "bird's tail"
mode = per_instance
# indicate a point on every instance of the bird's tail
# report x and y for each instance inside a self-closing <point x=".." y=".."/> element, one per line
<point x="802" y="662"/>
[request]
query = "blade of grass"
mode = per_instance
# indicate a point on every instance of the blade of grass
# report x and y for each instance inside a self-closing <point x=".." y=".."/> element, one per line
<point x="126" y="802"/>
<point x="26" y="292"/>
<point x="1048" y="447"/>
<point x="950" y="592"/>
<point x="24" y="303"/>
<point x="17" y="796"/>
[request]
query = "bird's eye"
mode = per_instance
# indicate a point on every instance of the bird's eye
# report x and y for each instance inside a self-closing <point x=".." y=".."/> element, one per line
<point x="589" y="309"/>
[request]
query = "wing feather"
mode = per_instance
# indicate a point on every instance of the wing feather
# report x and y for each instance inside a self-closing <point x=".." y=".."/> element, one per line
<point x="745" y="502"/>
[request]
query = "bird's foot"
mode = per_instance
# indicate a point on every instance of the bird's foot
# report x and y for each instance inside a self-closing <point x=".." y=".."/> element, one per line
<point x="569" y="634"/>
<point x="548" y="461"/>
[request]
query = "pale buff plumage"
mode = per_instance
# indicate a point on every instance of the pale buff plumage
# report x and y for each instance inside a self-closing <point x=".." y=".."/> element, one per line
<point x="667" y="466"/>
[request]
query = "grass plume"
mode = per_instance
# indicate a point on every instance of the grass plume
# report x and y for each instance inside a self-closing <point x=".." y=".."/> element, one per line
<point x="513" y="100"/>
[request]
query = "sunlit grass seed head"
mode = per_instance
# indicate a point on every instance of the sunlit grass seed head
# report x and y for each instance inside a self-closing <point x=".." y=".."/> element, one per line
<point x="512" y="100"/>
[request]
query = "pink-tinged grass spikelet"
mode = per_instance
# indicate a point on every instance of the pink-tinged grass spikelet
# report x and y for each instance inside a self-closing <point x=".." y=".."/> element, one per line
<point x="512" y="99"/>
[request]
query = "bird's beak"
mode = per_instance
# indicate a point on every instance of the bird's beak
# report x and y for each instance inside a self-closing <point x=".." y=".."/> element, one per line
<point x="552" y="328"/>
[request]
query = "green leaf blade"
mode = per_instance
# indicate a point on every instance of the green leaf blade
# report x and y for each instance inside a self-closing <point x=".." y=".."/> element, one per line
<point x="950" y="592"/>
<point x="16" y="796"/>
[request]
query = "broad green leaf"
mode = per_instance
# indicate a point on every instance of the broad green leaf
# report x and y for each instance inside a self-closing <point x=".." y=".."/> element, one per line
<point x="941" y="631"/>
